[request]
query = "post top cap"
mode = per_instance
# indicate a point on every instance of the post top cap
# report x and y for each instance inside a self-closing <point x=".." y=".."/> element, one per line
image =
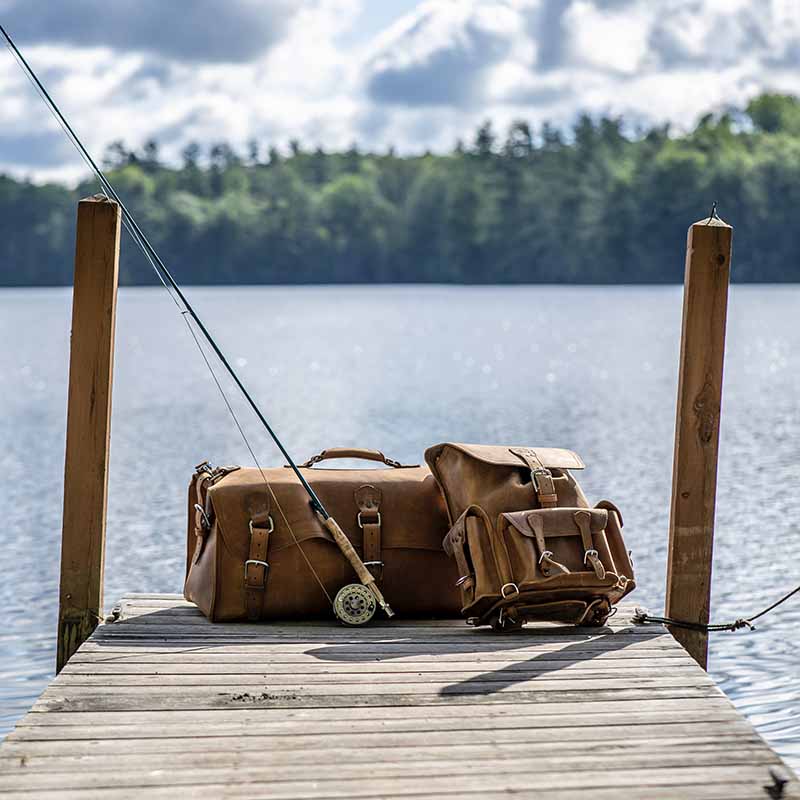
<point x="97" y="198"/>
<point x="711" y="222"/>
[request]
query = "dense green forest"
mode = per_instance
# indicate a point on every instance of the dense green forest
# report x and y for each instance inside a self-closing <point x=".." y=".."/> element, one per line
<point x="598" y="203"/>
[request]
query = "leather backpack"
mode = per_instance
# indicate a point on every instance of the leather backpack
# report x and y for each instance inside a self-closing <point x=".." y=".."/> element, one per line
<point x="527" y="544"/>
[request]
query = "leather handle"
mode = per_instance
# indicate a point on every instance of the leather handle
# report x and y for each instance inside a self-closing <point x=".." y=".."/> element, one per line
<point x="352" y="452"/>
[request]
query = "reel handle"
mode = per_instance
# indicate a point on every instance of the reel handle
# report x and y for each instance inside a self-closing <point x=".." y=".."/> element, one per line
<point x="364" y="575"/>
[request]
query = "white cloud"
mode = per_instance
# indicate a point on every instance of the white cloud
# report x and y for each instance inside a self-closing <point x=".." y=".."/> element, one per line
<point x="613" y="40"/>
<point x="430" y="77"/>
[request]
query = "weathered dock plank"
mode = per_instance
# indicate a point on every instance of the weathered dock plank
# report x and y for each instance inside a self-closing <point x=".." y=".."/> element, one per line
<point x="162" y="702"/>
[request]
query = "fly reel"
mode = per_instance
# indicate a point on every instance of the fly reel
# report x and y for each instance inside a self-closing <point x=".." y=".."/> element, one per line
<point x="354" y="604"/>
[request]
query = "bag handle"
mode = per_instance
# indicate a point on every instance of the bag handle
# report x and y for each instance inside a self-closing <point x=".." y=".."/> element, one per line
<point x="354" y="452"/>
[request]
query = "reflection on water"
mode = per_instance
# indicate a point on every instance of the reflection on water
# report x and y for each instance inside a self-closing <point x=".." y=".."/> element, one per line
<point x="593" y="369"/>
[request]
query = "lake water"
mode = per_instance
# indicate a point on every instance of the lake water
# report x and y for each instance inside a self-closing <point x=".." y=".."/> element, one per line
<point x="592" y="369"/>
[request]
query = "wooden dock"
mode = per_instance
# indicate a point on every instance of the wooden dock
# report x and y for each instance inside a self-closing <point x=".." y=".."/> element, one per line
<point x="163" y="704"/>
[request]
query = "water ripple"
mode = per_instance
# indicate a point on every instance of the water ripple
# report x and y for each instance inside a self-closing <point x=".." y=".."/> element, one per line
<point x="399" y="369"/>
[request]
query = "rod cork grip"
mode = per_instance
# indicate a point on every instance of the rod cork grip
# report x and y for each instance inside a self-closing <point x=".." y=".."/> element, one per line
<point x="364" y="575"/>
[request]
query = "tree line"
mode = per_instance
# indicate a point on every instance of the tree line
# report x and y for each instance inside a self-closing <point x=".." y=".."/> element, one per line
<point x="600" y="202"/>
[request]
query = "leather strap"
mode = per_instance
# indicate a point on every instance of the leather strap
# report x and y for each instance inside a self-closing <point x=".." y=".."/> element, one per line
<point x="202" y="514"/>
<point x="368" y="500"/>
<point x="540" y="475"/>
<point x="454" y="545"/>
<point x="256" y="568"/>
<point x="355" y="452"/>
<point x="547" y="564"/>
<point x="583" y="519"/>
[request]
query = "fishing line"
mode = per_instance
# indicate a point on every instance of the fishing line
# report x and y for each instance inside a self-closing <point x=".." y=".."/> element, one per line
<point x="187" y="312"/>
<point x="84" y="156"/>
<point x="252" y="454"/>
<point x="161" y="269"/>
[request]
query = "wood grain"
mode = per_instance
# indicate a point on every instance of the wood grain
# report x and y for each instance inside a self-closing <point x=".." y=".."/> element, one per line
<point x="425" y="710"/>
<point x="694" y="472"/>
<point x="94" y="301"/>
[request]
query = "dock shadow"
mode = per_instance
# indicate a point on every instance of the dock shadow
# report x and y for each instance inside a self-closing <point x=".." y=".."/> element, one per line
<point x="491" y="681"/>
<point x="473" y="643"/>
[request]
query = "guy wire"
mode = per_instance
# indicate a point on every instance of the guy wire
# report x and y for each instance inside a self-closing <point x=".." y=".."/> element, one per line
<point x="173" y="289"/>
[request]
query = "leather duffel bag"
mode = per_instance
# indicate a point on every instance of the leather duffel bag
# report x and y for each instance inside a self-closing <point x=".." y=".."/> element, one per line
<point x="527" y="544"/>
<point x="257" y="550"/>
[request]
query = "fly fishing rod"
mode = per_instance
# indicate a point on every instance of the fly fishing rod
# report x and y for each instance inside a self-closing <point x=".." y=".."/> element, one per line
<point x="165" y="276"/>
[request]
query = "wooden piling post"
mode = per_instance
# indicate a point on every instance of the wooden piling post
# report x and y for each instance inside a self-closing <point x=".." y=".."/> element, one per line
<point x="94" y="303"/>
<point x="694" y="470"/>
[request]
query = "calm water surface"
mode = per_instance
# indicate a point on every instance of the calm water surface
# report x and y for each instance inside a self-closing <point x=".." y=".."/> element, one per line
<point x="398" y="369"/>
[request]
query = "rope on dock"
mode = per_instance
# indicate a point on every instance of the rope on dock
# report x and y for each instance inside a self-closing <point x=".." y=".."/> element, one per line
<point x="642" y="617"/>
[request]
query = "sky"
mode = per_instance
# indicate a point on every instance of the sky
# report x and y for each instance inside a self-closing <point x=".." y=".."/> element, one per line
<point x="412" y="74"/>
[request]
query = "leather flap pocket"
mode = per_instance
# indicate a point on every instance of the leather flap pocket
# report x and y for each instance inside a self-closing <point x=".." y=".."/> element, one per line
<point x="556" y="521"/>
<point x="564" y="540"/>
<point x="236" y="506"/>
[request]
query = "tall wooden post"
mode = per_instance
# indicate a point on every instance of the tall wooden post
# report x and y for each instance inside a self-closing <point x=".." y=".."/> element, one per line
<point x="94" y="303"/>
<point x="694" y="471"/>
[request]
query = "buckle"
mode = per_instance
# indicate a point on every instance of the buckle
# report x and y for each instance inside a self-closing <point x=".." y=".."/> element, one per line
<point x="206" y="522"/>
<point x="549" y="555"/>
<point x="264" y="564"/>
<point x="377" y="522"/>
<point x="269" y="529"/>
<point x="510" y="594"/>
<point x="462" y="579"/>
<point x="590" y="554"/>
<point x="540" y="472"/>
<point x="376" y="568"/>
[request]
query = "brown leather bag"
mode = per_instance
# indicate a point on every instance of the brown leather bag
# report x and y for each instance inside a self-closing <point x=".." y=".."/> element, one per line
<point x="256" y="549"/>
<point x="527" y="545"/>
<point x="501" y="478"/>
